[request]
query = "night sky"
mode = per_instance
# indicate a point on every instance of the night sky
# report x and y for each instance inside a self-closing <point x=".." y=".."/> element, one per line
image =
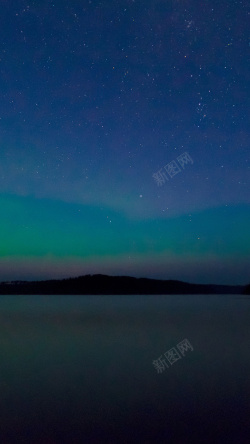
<point x="124" y="143"/>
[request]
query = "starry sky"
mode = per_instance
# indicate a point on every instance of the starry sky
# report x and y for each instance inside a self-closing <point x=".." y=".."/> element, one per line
<point x="124" y="143"/>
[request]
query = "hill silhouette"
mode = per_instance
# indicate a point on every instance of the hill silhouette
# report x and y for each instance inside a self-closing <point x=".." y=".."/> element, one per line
<point x="115" y="285"/>
<point x="247" y="289"/>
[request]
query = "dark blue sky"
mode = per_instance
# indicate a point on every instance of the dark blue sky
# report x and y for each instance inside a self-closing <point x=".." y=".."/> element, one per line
<point x="96" y="99"/>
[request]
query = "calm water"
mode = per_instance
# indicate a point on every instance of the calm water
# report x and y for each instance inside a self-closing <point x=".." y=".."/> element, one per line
<point x="78" y="369"/>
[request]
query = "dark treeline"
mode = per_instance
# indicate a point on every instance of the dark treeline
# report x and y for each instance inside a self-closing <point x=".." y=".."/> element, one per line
<point x="247" y="289"/>
<point x="116" y="285"/>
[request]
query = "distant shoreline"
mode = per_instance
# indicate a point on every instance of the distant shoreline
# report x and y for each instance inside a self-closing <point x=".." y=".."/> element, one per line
<point x="99" y="284"/>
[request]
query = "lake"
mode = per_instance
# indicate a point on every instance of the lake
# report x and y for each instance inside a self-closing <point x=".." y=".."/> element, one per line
<point x="79" y="369"/>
